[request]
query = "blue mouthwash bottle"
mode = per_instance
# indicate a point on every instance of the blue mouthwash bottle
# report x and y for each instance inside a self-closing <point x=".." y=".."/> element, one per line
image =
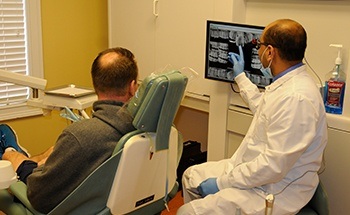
<point x="335" y="86"/>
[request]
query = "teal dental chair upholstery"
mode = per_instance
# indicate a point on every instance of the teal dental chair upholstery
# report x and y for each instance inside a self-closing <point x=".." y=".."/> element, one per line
<point x="318" y="204"/>
<point x="140" y="176"/>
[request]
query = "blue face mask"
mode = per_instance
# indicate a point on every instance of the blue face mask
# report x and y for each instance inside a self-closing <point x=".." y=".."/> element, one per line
<point x="266" y="71"/>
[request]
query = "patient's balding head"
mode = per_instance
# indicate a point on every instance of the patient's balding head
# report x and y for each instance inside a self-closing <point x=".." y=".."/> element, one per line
<point x="113" y="70"/>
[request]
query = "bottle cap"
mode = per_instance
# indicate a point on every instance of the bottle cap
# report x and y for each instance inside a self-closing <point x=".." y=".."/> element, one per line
<point x="338" y="60"/>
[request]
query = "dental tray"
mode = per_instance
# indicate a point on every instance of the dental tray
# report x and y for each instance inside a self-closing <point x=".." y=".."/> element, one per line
<point x="70" y="90"/>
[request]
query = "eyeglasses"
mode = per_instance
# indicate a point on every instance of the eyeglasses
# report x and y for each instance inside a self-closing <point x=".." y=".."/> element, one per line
<point x="258" y="44"/>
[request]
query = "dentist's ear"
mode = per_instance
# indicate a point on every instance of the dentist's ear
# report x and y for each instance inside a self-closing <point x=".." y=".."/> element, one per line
<point x="271" y="52"/>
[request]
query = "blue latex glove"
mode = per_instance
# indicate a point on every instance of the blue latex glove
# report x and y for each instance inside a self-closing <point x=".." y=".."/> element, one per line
<point x="237" y="61"/>
<point x="207" y="187"/>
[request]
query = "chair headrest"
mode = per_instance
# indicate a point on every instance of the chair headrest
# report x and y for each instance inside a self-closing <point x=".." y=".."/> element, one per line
<point x="155" y="104"/>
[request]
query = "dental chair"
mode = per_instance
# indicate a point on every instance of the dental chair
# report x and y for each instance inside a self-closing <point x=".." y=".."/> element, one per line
<point x="318" y="205"/>
<point x="140" y="176"/>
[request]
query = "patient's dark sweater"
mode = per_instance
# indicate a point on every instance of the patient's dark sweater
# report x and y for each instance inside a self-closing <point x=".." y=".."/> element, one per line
<point x="79" y="150"/>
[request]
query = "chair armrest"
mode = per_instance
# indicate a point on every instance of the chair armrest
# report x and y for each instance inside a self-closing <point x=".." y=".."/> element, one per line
<point x="319" y="201"/>
<point x="173" y="191"/>
<point x="19" y="189"/>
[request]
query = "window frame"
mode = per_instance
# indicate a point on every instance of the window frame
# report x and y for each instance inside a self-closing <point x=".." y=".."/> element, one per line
<point x="34" y="60"/>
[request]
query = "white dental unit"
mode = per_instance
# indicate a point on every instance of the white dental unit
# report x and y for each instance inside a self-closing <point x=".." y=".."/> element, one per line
<point x="67" y="97"/>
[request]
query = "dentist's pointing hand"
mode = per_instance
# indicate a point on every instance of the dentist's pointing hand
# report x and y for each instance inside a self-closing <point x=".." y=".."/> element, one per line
<point x="237" y="61"/>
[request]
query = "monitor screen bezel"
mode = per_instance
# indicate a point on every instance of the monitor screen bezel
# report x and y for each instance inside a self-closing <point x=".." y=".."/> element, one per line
<point x="262" y="81"/>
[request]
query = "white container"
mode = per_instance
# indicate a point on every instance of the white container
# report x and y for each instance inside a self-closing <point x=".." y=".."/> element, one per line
<point x="7" y="174"/>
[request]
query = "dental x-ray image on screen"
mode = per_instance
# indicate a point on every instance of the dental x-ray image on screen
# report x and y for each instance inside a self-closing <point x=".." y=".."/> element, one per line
<point x="222" y="38"/>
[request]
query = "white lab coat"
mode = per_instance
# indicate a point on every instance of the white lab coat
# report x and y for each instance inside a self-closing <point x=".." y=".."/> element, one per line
<point x="280" y="154"/>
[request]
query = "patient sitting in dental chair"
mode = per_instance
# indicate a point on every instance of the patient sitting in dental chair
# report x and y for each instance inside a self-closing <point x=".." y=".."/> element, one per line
<point x="83" y="145"/>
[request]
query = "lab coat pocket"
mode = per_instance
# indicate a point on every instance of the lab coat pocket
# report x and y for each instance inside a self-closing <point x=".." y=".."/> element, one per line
<point x="259" y="133"/>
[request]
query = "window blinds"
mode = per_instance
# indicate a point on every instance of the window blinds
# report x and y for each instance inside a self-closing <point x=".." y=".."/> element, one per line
<point x="13" y="50"/>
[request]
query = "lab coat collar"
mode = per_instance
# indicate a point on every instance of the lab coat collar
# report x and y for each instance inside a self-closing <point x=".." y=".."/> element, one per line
<point x="280" y="81"/>
<point x="287" y="70"/>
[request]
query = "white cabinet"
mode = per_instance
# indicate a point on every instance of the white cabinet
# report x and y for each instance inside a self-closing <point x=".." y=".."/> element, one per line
<point x="238" y="122"/>
<point x="163" y="32"/>
<point x="336" y="176"/>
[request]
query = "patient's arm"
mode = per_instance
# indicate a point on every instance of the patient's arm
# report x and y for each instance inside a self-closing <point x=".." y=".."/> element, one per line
<point x="16" y="158"/>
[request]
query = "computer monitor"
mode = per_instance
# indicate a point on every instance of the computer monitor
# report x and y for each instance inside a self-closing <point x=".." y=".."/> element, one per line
<point x="224" y="37"/>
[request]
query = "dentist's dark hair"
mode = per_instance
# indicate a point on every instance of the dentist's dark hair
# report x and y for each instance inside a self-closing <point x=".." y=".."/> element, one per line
<point x="289" y="37"/>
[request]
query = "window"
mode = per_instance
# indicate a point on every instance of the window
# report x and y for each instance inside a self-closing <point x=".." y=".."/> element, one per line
<point x="20" y="52"/>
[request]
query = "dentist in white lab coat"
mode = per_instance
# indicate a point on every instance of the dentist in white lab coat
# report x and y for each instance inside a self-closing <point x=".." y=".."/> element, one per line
<point x="282" y="150"/>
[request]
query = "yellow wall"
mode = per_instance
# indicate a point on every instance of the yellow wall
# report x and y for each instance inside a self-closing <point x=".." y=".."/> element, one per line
<point x="73" y="33"/>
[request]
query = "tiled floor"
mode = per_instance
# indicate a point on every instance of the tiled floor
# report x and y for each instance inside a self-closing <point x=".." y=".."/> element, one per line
<point x="174" y="204"/>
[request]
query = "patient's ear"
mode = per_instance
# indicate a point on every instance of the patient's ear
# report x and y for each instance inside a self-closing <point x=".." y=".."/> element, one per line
<point x="132" y="87"/>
